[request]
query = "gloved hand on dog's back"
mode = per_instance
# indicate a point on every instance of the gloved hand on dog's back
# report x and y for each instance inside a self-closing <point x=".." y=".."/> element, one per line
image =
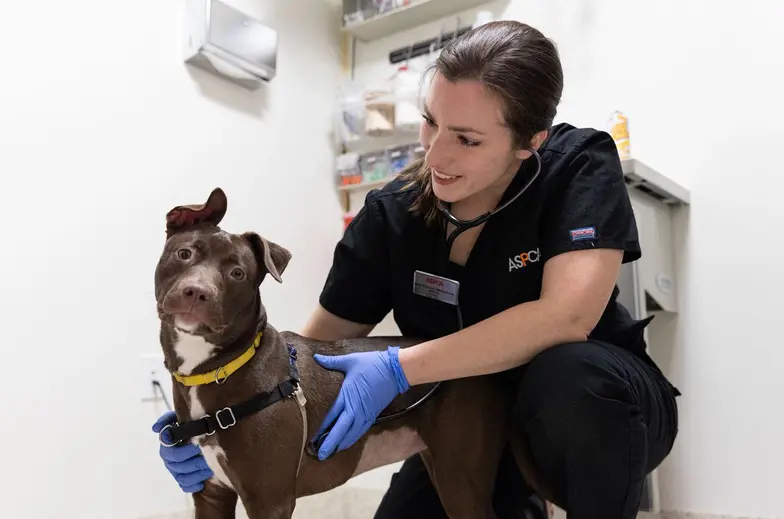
<point x="373" y="379"/>
<point x="185" y="462"/>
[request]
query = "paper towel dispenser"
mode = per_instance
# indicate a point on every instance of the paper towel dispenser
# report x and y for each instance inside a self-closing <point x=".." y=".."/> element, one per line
<point x="229" y="43"/>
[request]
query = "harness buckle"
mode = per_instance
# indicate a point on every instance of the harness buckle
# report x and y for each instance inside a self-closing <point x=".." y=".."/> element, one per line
<point x="231" y="416"/>
<point x="161" y="440"/>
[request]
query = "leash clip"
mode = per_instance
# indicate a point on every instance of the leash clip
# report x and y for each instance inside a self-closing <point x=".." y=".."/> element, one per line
<point x="161" y="440"/>
<point x="300" y="396"/>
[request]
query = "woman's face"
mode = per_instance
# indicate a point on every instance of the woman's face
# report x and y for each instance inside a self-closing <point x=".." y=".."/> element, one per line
<point x="467" y="146"/>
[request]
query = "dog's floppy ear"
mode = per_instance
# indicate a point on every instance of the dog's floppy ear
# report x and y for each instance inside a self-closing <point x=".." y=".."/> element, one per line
<point x="270" y="256"/>
<point x="211" y="212"/>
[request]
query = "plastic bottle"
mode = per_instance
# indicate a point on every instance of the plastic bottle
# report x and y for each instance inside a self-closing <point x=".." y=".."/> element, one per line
<point x="619" y="130"/>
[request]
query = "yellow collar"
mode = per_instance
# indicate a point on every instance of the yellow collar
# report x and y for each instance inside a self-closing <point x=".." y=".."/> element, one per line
<point x="220" y="375"/>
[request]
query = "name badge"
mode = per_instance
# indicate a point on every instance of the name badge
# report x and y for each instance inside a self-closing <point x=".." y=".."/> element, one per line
<point x="436" y="287"/>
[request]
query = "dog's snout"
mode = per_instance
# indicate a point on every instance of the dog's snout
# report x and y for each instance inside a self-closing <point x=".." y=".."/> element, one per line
<point x="196" y="293"/>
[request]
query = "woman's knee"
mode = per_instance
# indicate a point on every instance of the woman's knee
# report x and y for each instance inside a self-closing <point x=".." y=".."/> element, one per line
<point x="574" y="386"/>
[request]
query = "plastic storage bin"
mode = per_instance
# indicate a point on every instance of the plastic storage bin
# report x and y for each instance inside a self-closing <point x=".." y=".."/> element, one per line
<point x="379" y="113"/>
<point x="348" y="169"/>
<point x="375" y="166"/>
<point x="399" y="158"/>
<point x="408" y="116"/>
<point x="350" y="114"/>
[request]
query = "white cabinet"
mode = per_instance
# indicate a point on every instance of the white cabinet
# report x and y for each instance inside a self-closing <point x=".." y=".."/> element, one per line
<point x="649" y="285"/>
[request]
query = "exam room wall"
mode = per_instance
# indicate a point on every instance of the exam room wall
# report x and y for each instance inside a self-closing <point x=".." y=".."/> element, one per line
<point x="701" y="82"/>
<point x="102" y="130"/>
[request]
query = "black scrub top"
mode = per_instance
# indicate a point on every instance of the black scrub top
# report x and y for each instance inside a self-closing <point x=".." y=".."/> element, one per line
<point x="579" y="201"/>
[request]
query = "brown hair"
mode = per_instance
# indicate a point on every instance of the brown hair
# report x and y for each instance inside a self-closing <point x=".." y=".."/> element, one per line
<point x="515" y="62"/>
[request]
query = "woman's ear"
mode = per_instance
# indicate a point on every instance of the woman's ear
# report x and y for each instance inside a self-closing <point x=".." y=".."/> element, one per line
<point x="536" y="142"/>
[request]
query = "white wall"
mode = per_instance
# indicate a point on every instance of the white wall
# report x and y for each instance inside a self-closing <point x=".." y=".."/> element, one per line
<point x="96" y="109"/>
<point x="701" y="82"/>
<point x="102" y="130"/>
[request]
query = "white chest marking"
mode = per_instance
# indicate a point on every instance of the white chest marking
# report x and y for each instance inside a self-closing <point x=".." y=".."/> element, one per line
<point x="193" y="351"/>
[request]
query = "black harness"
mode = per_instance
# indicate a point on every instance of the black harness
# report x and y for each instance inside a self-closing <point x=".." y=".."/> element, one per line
<point x="229" y="416"/>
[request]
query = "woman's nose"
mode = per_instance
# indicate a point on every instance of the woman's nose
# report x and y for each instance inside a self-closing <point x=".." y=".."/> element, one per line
<point x="436" y="155"/>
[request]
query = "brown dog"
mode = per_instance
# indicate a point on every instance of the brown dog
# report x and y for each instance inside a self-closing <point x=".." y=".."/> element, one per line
<point x="253" y="407"/>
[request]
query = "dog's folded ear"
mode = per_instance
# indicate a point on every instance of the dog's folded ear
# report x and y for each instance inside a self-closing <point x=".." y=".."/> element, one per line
<point x="184" y="217"/>
<point x="270" y="256"/>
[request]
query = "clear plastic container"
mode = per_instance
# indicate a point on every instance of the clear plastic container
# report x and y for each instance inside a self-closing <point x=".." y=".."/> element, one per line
<point x="399" y="158"/>
<point x="348" y="169"/>
<point x="350" y="114"/>
<point x="379" y="113"/>
<point x="375" y="166"/>
<point x="406" y="84"/>
<point x="356" y="11"/>
<point x="417" y="152"/>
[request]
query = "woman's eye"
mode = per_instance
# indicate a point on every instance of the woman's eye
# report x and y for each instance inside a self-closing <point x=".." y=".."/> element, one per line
<point x="467" y="142"/>
<point x="184" y="254"/>
<point x="428" y="120"/>
<point x="238" y="274"/>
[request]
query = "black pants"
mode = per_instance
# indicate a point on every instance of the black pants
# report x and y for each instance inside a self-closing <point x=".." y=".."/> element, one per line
<point x="598" y="418"/>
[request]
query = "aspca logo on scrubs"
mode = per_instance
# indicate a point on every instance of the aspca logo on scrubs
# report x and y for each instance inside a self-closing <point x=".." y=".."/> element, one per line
<point x="523" y="260"/>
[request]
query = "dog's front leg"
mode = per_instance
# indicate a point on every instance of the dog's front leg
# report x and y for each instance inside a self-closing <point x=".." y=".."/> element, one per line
<point x="259" y="510"/>
<point x="215" y="502"/>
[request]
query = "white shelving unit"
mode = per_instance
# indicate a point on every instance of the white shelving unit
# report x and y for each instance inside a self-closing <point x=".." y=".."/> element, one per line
<point x="362" y="186"/>
<point x="646" y="179"/>
<point x="369" y="144"/>
<point x="418" y="12"/>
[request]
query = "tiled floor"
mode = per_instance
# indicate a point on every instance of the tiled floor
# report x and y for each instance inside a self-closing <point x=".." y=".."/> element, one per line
<point x="360" y="503"/>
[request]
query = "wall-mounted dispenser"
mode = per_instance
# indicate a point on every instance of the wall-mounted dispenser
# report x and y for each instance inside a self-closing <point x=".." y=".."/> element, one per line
<point x="229" y="43"/>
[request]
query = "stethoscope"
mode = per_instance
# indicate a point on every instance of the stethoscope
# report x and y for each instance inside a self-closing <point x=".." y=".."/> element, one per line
<point x="460" y="227"/>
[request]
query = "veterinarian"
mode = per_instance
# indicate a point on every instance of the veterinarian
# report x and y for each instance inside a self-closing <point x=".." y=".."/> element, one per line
<point x="535" y="282"/>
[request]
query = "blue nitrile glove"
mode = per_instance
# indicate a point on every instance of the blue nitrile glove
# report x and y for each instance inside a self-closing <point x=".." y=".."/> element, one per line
<point x="185" y="462"/>
<point x="373" y="380"/>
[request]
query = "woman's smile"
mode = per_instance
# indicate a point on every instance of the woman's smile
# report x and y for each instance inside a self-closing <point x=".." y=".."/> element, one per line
<point x="443" y="179"/>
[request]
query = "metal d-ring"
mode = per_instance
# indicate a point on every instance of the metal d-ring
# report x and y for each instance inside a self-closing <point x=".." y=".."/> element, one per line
<point x="218" y="378"/>
<point x="160" y="437"/>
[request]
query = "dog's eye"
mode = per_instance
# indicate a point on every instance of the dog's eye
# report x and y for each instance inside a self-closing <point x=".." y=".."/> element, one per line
<point x="237" y="273"/>
<point x="184" y="254"/>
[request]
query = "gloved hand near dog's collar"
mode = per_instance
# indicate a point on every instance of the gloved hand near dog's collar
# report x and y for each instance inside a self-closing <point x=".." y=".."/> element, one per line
<point x="185" y="462"/>
<point x="373" y="380"/>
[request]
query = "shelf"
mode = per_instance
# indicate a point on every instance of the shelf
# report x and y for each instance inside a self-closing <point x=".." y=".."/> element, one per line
<point x="370" y="144"/>
<point x="649" y="181"/>
<point x="418" y="12"/>
<point x="365" y="185"/>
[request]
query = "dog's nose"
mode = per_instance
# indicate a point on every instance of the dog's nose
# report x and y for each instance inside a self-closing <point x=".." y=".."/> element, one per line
<point x="196" y="293"/>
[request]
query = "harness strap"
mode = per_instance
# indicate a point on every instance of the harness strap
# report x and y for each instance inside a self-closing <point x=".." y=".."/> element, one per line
<point x="302" y="401"/>
<point x="229" y="416"/>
